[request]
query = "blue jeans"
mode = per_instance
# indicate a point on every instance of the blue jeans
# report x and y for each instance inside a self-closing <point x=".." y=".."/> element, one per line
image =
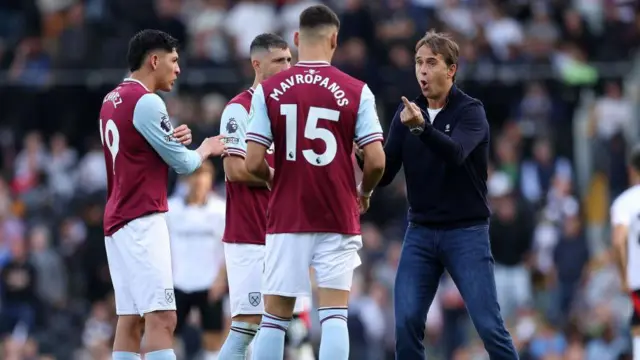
<point x="466" y="255"/>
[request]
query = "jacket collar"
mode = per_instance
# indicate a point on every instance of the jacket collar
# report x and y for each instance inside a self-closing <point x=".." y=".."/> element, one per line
<point x="421" y="100"/>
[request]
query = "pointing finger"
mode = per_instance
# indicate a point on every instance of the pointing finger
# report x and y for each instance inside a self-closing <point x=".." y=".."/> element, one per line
<point x="406" y="102"/>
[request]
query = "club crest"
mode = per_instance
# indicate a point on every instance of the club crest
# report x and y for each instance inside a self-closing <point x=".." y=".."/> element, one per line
<point x="255" y="298"/>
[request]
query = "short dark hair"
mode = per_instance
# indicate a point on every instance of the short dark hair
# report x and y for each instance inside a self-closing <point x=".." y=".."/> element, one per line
<point x="267" y="41"/>
<point x="634" y="158"/>
<point x="146" y="41"/>
<point x="317" y="16"/>
<point x="440" y="43"/>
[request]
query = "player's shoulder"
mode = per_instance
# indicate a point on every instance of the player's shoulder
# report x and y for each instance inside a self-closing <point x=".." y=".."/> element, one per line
<point x="631" y="196"/>
<point x="348" y="79"/>
<point x="131" y="88"/>
<point x="242" y="100"/>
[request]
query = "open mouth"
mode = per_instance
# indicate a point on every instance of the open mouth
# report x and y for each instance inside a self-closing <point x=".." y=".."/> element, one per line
<point x="424" y="84"/>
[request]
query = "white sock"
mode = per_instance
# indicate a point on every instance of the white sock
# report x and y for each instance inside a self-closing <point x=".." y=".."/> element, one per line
<point x="211" y="355"/>
<point x="636" y="348"/>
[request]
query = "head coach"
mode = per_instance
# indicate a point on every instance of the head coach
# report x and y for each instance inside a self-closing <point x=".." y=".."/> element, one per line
<point x="441" y="138"/>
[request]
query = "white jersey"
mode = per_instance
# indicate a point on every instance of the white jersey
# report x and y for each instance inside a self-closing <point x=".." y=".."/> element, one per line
<point x="196" y="242"/>
<point x="626" y="211"/>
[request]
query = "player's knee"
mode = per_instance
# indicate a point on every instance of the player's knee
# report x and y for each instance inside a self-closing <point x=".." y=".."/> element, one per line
<point x="332" y="297"/>
<point x="279" y="305"/>
<point x="249" y="319"/>
<point x="161" y="321"/>
<point x="132" y="327"/>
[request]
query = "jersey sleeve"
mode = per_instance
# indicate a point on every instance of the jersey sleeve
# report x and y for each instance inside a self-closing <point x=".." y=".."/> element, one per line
<point x="151" y="120"/>
<point x="259" y="124"/>
<point x="368" y="128"/>
<point x="620" y="213"/>
<point x="233" y="126"/>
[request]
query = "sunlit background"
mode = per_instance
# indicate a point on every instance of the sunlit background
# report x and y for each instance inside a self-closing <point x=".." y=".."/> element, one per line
<point x="559" y="81"/>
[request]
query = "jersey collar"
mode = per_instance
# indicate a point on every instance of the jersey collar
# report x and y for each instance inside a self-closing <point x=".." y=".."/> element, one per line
<point x="312" y="64"/>
<point x="136" y="81"/>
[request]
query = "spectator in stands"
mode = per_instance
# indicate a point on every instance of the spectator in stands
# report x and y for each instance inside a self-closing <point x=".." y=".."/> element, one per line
<point x="511" y="232"/>
<point x="18" y="280"/>
<point x="571" y="256"/>
<point x="537" y="173"/>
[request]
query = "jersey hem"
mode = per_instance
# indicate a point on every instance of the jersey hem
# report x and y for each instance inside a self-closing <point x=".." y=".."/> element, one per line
<point x="109" y="231"/>
<point x="252" y="242"/>
<point x="314" y="231"/>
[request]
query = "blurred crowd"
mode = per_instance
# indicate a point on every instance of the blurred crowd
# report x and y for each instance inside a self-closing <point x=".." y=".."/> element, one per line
<point x="528" y="61"/>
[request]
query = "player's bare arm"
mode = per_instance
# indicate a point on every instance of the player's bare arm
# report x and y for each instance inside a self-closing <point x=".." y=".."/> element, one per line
<point x="256" y="163"/>
<point x="236" y="171"/>
<point x="619" y="242"/>
<point x="369" y="143"/>
<point x="374" y="162"/>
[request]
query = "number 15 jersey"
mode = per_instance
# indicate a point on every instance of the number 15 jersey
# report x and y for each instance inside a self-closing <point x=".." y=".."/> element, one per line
<point x="312" y="114"/>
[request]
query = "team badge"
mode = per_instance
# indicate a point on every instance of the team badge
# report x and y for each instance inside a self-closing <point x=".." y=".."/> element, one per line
<point x="168" y="295"/>
<point x="255" y="298"/>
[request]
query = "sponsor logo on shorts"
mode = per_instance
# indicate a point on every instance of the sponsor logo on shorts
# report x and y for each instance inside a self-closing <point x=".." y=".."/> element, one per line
<point x="255" y="298"/>
<point x="168" y="295"/>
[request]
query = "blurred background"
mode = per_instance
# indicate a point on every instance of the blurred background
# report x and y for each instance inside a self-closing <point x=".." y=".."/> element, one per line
<point x="560" y="83"/>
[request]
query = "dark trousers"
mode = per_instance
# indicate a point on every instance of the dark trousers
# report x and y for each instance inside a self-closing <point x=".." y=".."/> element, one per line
<point x="466" y="255"/>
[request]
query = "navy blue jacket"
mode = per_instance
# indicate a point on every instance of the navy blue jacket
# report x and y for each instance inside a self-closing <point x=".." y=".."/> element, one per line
<point x="446" y="166"/>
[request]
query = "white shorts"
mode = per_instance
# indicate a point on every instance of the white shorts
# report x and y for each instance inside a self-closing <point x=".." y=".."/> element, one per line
<point x="139" y="256"/>
<point x="245" y="265"/>
<point x="289" y="256"/>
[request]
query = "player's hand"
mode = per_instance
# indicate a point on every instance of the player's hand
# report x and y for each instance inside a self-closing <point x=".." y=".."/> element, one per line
<point x="217" y="290"/>
<point x="624" y="286"/>
<point x="213" y="146"/>
<point x="411" y="115"/>
<point x="183" y="134"/>
<point x="363" y="203"/>
<point x="272" y="173"/>
<point x="358" y="152"/>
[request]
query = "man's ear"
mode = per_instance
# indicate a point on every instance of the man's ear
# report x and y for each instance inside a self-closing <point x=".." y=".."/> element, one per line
<point x="255" y="64"/>
<point x="334" y="40"/>
<point x="451" y="72"/>
<point x="296" y="38"/>
<point x="153" y="61"/>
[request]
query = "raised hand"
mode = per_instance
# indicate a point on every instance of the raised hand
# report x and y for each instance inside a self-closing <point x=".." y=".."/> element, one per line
<point x="411" y="115"/>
